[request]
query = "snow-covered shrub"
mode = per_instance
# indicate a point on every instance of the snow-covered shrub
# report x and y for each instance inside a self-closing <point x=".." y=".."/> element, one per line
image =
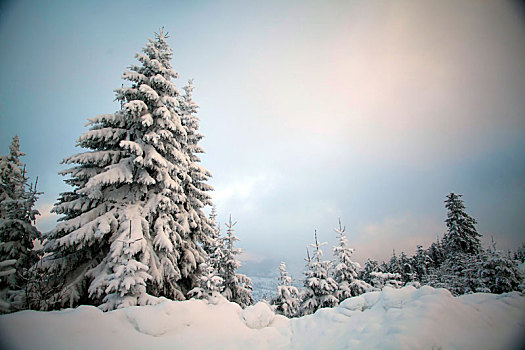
<point x="287" y="301"/>
<point x="320" y="287"/>
<point x="345" y="270"/>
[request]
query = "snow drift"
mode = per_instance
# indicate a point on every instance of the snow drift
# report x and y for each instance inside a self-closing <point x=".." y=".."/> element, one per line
<point x="406" y="318"/>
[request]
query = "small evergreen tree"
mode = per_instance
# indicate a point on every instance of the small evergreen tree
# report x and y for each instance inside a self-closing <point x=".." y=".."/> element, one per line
<point x="499" y="273"/>
<point x="460" y="275"/>
<point x="287" y="301"/>
<point x="237" y="287"/>
<point x="394" y="265"/>
<point x="371" y="265"/>
<point x="385" y="279"/>
<point x="211" y="283"/>
<point x="408" y="273"/>
<point x="17" y="229"/>
<point x="345" y="270"/>
<point x="519" y="254"/>
<point x="436" y="253"/>
<point x="421" y="263"/>
<point x="320" y="287"/>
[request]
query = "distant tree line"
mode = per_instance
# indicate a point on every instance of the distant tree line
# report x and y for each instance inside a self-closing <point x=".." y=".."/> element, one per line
<point x="457" y="262"/>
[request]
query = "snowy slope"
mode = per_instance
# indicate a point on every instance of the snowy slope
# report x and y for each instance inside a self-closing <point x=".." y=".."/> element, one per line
<point x="406" y="318"/>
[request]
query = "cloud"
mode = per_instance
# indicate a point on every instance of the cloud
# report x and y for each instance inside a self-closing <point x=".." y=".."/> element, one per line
<point x="396" y="81"/>
<point x="242" y="193"/>
<point x="403" y="233"/>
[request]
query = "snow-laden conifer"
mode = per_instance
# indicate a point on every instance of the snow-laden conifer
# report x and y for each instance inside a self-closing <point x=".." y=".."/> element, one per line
<point x="287" y="301"/>
<point x="211" y="283"/>
<point x="320" y="287"/>
<point x="422" y="263"/>
<point x="461" y="236"/>
<point x="385" y="279"/>
<point x="196" y="191"/>
<point x="237" y="287"/>
<point x="128" y="232"/>
<point x="345" y="270"/>
<point x="371" y="265"/>
<point x="459" y="270"/>
<point x="408" y="272"/>
<point x="17" y="229"/>
<point x="499" y="273"/>
<point x="519" y="254"/>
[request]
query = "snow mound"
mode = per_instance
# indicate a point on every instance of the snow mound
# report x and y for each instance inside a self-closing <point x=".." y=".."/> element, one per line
<point x="258" y="316"/>
<point x="406" y="318"/>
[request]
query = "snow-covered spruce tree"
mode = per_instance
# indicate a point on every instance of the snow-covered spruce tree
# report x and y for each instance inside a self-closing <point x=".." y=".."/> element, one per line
<point x="17" y="229"/>
<point x="237" y="287"/>
<point x="519" y="254"/>
<point x="371" y="265"/>
<point x="211" y="283"/>
<point x="459" y="271"/>
<point x="287" y="301"/>
<point x="436" y="252"/>
<point x="408" y="273"/>
<point x="214" y="247"/>
<point x="345" y="270"/>
<point x="394" y="265"/>
<point x="197" y="197"/>
<point x="320" y="287"/>
<point x="499" y="273"/>
<point x="421" y="262"/>
<point x="385" y="279"/>
<point x="129" y="232"/>
<point x="461" y="236"/>
<point x="460" y="274"/>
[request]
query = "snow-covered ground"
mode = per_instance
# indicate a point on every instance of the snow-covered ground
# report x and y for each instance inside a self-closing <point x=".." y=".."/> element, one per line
<point x="406" y="318"/>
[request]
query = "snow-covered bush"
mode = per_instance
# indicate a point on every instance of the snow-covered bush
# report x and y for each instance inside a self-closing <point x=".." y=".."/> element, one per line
<point x="287" y="301"/>
<point x="345" y="270"/>
<point x="319" y="287"/>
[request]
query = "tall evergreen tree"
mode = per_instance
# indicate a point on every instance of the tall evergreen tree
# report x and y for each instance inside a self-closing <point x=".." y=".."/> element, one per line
<point x="196" y="190"/>
<point x="129" y="231"/>
<point x="17" y="228"/>
<point x="461" y="236"/>
<point x="237" y="287"/>
<point x="461" y="249"/>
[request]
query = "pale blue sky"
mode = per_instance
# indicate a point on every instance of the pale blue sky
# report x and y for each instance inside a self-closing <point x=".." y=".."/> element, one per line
<point x="312" y="110"/>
